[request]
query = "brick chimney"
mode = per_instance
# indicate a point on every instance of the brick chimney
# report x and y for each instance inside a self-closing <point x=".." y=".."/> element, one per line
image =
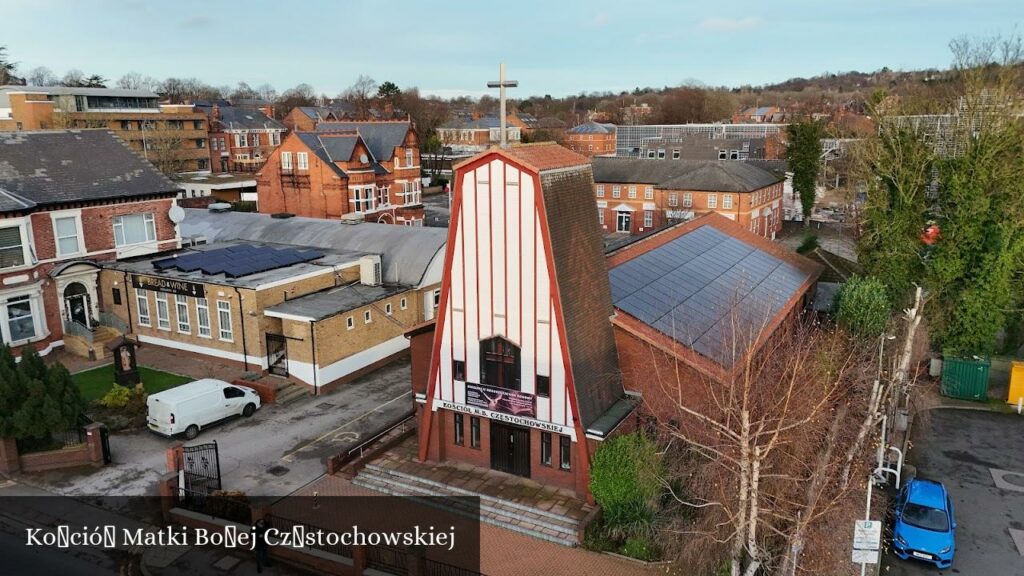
<point x="215" y="113"/>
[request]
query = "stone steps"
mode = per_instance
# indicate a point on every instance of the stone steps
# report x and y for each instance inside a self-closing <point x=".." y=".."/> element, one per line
<point x="289" y="392"/>
<point x="506" y="514"/>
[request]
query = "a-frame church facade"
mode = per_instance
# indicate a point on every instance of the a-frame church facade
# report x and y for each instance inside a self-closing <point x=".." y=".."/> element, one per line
<point x="523" y="371"/>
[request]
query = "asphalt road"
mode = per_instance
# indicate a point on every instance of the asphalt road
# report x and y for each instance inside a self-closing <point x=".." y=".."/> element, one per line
<point x="435" y="210"/>
<point x="960" y="448"/>
<point x="278" y="450"/>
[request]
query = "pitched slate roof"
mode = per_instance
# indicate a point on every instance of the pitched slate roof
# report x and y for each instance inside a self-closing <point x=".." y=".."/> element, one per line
<point x="708" y="281"/>
<point x="56" y="166"/>
<point x="330" y="148"/>
<point x="592" y="128"/>
<point x="380" y="137"/>
<point x="236" y="118"/>
<point x="709" y="175"/>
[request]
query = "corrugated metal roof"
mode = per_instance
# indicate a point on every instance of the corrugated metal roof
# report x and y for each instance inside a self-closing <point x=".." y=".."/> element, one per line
<point x="704" y="288"/>
<point x="406" y="252"/>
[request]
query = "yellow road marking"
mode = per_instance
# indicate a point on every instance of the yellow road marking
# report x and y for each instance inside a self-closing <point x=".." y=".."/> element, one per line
<point x="289" y="457"/>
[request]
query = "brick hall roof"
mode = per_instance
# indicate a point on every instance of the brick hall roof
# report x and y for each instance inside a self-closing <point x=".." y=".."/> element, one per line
<point x="705" y="284"/>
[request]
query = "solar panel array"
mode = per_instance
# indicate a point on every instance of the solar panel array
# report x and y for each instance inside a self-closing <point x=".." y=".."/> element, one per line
<point x="238" y="261"/>
<point x="689" y="289"/>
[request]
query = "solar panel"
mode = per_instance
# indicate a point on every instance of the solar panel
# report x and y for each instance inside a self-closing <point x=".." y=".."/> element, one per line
<point x="238" y="261"/>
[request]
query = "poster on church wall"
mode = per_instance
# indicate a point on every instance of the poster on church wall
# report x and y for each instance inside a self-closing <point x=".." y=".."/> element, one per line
<point x="501" y="400"/>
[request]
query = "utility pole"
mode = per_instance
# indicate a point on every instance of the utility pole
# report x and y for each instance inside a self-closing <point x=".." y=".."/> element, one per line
<point x="501" y="84"/>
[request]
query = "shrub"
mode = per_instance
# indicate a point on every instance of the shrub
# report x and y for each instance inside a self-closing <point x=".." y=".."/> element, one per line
<point x="624" y="481"/>
<point x="808" y="244"/>
<point x="641" y="548"/>
<point x="117" y="397"/>
<point x="862" y="306"/>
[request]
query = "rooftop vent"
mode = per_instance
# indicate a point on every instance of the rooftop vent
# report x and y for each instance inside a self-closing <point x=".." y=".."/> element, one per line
<point x="282" y="215"/>
<point x="351" y="219"/>
<point x="219" y="207"/>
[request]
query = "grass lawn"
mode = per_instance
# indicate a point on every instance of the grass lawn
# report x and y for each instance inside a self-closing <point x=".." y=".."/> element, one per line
<point x="96" y="382"/>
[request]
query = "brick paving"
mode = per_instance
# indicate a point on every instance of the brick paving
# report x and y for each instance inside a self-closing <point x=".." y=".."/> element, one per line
<point x="507" y="553"/>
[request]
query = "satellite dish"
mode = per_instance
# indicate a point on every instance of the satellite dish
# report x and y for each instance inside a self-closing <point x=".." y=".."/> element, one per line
<point x="176" y="214"/>
<point x="364" y="159"/>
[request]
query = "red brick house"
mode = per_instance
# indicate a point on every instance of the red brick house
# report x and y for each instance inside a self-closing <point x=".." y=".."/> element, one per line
<point x="368" y="170"/>
<point x="522" y="370"/>
<point x="70" y="199"/>
<point x="636" y="195"/>
<point x="591" y="139"/>
<point x="241" y="139"/>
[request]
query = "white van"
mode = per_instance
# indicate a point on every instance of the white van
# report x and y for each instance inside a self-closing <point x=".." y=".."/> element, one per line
<point x="194" y="406"/>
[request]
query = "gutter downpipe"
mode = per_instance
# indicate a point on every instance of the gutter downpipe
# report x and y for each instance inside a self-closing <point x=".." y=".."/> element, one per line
<point x="241" y="314"/>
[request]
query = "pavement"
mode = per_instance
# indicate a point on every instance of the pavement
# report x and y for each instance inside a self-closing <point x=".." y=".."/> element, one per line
<point x="435" y="210"/>
<point x="278" y="450"/>
<point x="977" y="455"/>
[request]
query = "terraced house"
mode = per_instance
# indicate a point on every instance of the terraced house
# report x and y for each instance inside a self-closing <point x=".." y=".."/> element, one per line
<point x="352" y="170"/>
<point x="636" y="196"/>
<point x="69" y="201"/>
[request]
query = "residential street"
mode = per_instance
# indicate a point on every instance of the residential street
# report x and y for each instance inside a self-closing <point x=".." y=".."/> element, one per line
<point x="961" y="448"/>
<point x="278" y="450"/>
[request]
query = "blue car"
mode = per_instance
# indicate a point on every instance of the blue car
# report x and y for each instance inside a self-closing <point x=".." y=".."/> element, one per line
<point x="925" y="524"/>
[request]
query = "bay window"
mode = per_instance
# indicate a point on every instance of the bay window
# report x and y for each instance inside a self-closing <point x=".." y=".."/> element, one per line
<point x="134" y="229"/>
<point x="20" y="318"/>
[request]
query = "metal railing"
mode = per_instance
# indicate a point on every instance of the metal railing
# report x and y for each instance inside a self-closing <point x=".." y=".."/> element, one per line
<point x="386" y="559"/>
<point x="112" y="320"/>
<point x="75" y="329"/>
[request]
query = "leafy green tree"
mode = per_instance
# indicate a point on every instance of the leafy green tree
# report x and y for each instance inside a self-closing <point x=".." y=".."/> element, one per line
<point x="12" y="392"/>
<point x="862" y="307"/>
<point x="803" y="153"/>
<point x="388" y="90"/>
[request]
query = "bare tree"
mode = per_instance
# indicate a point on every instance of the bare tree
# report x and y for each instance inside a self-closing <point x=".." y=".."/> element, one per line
<point x="266" y="92"/>
<point x="136" y="81"/>
<point x="759" y="446"/>
<point x="73" y="77"/>
<point x="41" y="76"/>
<point x="360" y="94"/>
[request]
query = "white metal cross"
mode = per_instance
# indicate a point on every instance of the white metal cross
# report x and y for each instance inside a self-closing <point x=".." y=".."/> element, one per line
<point x="501" y="84"/>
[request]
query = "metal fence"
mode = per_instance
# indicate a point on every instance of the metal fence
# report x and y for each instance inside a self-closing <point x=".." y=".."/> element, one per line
<point x="226" y="506"/>
<point x="386" y="559"/>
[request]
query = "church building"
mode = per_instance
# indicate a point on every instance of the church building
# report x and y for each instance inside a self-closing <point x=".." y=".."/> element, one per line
<point x="523" y="373"/>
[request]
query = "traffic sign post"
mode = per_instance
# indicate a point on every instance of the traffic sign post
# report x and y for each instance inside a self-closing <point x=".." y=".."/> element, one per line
<point x="867" y="540"/>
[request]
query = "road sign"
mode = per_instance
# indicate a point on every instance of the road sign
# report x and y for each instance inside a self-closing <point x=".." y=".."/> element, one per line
<point x="865" y="556"/>
<point x="867" y="535"/>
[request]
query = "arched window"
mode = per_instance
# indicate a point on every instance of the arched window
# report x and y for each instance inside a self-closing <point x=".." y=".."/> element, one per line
<point x="499" y="363"/>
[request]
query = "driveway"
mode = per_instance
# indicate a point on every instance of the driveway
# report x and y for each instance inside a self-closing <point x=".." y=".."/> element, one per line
<point x="278" y="450"/>
<point x="966" y="450"/>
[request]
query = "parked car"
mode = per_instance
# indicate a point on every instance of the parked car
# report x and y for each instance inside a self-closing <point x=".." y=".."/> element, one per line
<point x="924" y="523"/>
<point x="192" y="407"/>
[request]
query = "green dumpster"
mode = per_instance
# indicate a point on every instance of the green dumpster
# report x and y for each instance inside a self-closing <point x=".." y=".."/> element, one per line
<point x="965" y="378"/>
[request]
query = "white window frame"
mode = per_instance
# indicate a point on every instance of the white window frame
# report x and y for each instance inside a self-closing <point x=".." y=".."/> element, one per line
<point x="286" y="160"/>
<point x="688" y="199"/>
<point x="148" y="221"/>
<point x="350" y="323"/>
<point x="408" y="158"/>
<point x="26" y="252"/>
<point x="163" y="318"/>
<point x="181" y="304"/>
<point x="275" y="138"/>
<point x="36" y="312"/>
<point x="649" y="193"/>
<point x="142" y="308"/>
<point x="600" y="190"/>
<point x="727" y="201"/>
<point x="225" y="333"/>
<point x="75" y="215"/>
<point x="302" y="160"/>
<point x="673" y="199"/>
<point x="632" y="191"/>
<point x="403" y="303"/>
<point x="203" y="309"/>
<point x="363" y="199"/>
<point x="388" y="309"/>
<point x="712" y="200"/>
<point x="648" y="218"/>
<point x="600" y="216"/>
<point x="367" y="317"/>
<point x="616" y="191"/>
<point x="256" y="140"/>
<point x="241" y="140"/>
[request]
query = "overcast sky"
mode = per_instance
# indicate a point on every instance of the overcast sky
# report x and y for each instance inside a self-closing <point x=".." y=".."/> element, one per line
<point x="450" y="47"/>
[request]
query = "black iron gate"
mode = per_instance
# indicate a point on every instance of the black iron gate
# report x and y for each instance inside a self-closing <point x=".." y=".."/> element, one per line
<point x="277" y="354"/>
<point x="199" y="469"/>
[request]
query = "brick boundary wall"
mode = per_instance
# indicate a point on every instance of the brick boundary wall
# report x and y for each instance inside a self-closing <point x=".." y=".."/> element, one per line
<point x="267" y="392"/>
<point x="88" y="454"/>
